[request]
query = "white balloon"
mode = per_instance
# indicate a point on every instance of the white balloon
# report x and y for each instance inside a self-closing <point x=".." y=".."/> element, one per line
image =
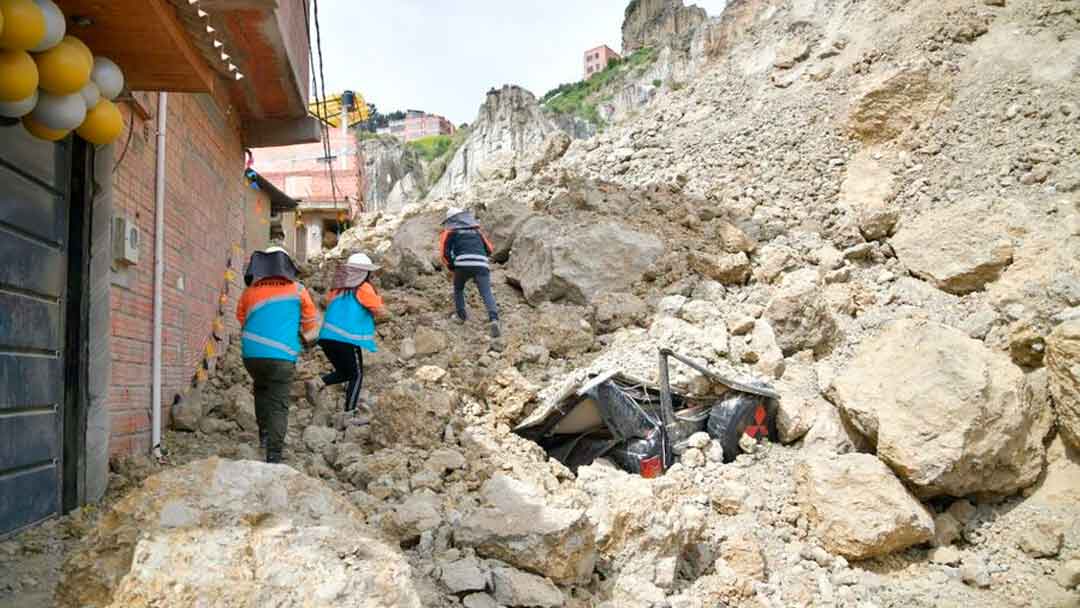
<point x="55" y="26"/>
<point x="18" y="109"/>
<point x="90" y="94"/>
<point x="60" y="112"/>
<point x="108" y="77"/>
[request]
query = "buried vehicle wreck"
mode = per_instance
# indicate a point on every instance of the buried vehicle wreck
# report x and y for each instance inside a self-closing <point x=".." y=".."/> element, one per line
<point x="643" y="427"/>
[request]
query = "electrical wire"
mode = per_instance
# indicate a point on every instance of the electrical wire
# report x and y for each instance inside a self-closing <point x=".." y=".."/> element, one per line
<point x="322" y="109"/>
<point x="131" y="131"/>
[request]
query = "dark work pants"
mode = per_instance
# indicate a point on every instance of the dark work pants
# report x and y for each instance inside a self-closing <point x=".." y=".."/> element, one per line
<point x="348" y="362"/>
<point x="482" y="278"/>
<point x="273" y="380"/>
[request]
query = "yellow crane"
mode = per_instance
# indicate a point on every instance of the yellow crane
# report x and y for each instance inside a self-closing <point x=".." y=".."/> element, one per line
<point x="330" y="109"/>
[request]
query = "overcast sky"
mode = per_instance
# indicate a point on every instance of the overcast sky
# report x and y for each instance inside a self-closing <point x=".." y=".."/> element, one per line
<point x="442" y="56"/>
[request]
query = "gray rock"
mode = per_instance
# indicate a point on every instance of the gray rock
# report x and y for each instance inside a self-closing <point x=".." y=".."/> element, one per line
<point x="517" y="588"/>
<point x="800" y="314"/>
<point x="318" y="438"/>
<point x="187" y="414"/>
<point x="479" y="600"/>
<point x="958" y="249"/>
<point x="726" y="268"/>
<point x="579" y="265"/>
<point x="463" y="575"/>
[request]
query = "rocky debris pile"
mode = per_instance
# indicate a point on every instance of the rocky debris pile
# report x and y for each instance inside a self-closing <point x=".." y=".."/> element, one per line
<point x="807" y="207"/>
<point x="234" y="533"/>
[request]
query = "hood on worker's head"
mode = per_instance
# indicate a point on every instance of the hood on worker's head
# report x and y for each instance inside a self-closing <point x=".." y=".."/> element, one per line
<point x="461" y="218"/>
<point x="271" y="262"/>
<point x="354" y="272"/>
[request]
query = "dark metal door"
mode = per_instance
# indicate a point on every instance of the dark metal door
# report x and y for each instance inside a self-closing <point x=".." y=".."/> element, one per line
<point x="34" y="203"/>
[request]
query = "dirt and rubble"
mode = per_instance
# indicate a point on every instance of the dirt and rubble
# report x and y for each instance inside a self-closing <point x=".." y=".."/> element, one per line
<point x="874" y="207"/>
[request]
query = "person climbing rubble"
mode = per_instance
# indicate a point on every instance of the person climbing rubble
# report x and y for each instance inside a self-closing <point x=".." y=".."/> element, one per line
<point x="465" y="251"/>
<point x="348" y="330"/>
<point x="275" y="312"/>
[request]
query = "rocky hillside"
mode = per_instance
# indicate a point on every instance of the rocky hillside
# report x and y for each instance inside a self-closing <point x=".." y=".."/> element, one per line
<point x="508" y="129"/>
<point x="874" y="207"/>
<point x="393" y="174"/>
<point x="658" y="23"/>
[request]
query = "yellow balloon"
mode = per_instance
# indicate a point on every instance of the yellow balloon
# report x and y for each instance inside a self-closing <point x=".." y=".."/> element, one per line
<point x="63" y="69"/>
<point x="40" y="131"/>
<point x="82" y="47"/>
<point x="18" y="75"/>
<point x="103" y="124"/>
<point x="24" y="25"/>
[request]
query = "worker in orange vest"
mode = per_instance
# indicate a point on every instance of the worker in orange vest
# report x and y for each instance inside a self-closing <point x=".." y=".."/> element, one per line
<point x="275" y="311"/>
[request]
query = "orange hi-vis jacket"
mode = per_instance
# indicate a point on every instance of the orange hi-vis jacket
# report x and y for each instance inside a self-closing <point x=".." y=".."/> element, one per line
<point x="273" y="313"/>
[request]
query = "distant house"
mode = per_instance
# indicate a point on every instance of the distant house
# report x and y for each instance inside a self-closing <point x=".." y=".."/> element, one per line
<point x="418" y="125"/>
<point x="597" y="59"/>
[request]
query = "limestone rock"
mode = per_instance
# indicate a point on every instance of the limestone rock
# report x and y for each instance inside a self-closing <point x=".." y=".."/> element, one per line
<point x="614" y="311"/>
<point x="1068" y="574"/>
<point x="1042" y="539"/>
<point x="895" y="102"/>
<point x="857" y="508"/>
<point x="947" y="529"/>
<point x="946" y="413"/>
<point x="411" y="414"/>
<point x="238" y="405"/>
<point x="800" y="315"/>
<point x="187" y="414"/>
<point x="509" y="127"/>
<point x="524" y="532"/>
<point x="959" y="249"/>
<point x="394" y="174"/>
<point x="550" y="263"/>
<point x="660" y="22"/>
<point x="868" y="191"/>
<point x="508" y="394"/>
<point x="463" y="575"/>
<point x="637" y="534"/>
<point x="517" y="588"/>
<point x="318" y="438"/>
<point x="1063" y="364"/>
<point x="743" y="554"/>
<point x="767" y="357"/>
<point x="419" y="513"/>
<point x="429" y="341"/>
<point x="727" y="268"/>
<point x="800" y="402"/>
<point x="503" y="220"/>
<point x="563" y="330"/>
<point x="830" y="433"/>
<point x="411" y="252"/>
<point x="228" y="533"/>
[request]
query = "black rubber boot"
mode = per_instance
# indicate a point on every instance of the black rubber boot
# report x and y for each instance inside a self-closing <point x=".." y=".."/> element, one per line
<point x="274" y="457"/>
<point x="264" y="439"/>
<point x="496" y="331"/>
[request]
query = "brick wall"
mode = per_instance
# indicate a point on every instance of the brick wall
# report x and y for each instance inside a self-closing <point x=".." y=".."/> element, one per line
<point x="206" y="197"/>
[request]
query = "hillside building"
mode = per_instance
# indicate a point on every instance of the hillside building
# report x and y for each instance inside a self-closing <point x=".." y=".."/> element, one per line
<point x="597" y="59"/>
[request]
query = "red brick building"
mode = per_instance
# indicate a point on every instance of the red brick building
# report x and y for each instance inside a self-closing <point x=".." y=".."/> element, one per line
<point x="79" y="228"/>
<point x="597" y="59"/>
<point x="304" y="173"/>
<point x="418" y="125"/>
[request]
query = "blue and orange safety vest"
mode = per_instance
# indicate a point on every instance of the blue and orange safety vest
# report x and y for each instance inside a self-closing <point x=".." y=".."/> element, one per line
<point x="350" y="320"/>
<point x="273" y="313"/>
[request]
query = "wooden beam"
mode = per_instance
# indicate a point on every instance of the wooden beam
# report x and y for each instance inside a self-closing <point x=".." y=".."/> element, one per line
<point x="234" y="5"/>
<point x="272" y="133"/>
<point x="175" y="31"/>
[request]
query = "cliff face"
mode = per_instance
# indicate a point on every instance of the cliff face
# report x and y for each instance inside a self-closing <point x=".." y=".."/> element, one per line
<point x="394" y="175"/>
<point x="660" y="22"/>
<point x="509" y="128"/>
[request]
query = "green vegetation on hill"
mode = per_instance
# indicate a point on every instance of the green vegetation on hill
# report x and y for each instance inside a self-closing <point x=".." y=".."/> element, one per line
<point x="582" y="98"/>
<point x="430" y="148"/>
<point x="438" y="164"/>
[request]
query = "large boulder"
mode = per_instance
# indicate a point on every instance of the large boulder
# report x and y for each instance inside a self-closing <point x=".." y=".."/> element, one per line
<point x="411" y="414"/>
<point x="800" y="314"/>
<point x="503" y="220"/>
<point x="414" y="248"/>
<point x="639" y="534"/>
<point x="578" y="265"/>
<point x="950" y="416"/>
<point x="857" y="508"/>
<point x="520" y="529"/>
<point x="959" y="249"/>
<point x="224" y="533"/>
<point x="1063" y="363"/>
<point x="238" y="405"/>
<point x="868" y="192"/>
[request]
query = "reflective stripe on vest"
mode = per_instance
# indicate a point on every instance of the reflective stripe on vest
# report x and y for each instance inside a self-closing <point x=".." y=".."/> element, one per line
<point x="272" y="328"/>
<point x="347" y="320"/>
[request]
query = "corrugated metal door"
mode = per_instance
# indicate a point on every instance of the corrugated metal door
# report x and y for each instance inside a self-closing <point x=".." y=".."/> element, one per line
<point x="34" y="202"/>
